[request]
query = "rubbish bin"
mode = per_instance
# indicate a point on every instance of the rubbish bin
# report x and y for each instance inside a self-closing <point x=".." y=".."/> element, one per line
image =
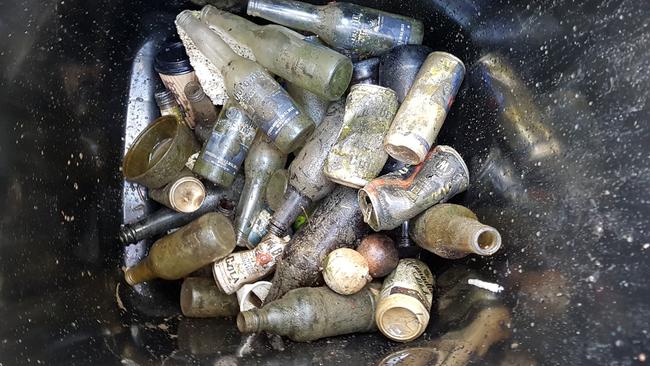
<point x="551" y="119"/>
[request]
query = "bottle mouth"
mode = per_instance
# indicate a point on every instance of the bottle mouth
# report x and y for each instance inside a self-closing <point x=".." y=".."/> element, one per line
<point x="184" y="18"/>
<point x="247" y="322"/>
<point x="486" y="241"/>
<point x="252" y="7"/>
<point x="194" y="92"/>
<point x="368" y="210"/>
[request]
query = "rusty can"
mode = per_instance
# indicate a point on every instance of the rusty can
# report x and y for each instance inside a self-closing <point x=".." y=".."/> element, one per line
<point x="393" y="198"/>
<point x="421" y="115"/>
<point x="357" y="156"/>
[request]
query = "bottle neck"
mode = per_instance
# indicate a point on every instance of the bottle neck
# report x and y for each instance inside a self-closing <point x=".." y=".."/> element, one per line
<point x="139" y="273"/>
<point x="240" y="29"/>
<point x="471" y="236"/>
<point x="207" y="41"/>
<point x="295" y="203"/>
<point x="251" y="321"/>
<point x="292" y="14"/>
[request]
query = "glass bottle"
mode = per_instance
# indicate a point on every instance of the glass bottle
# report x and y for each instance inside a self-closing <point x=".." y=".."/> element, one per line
<point x="261" y="97"/>
<point x="453" y="231"/>
<point x="226" y="147"/>
<point x="307" y="183"/>
<point x="283" y="52"/>
<point x="349" y="28"/>
<point x="200" y="298"/>
<point x="262" y="161"/>
<point x="311" y="313"/>
<point x="168" y="105"/>
<point x="203" y="111"/>
<point x="191" y="247"/>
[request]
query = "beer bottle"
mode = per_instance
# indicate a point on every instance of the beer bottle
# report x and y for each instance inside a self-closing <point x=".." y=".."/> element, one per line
<point x="191" y="247"/>
<point x="311" y="313"/>
<point x="203" y="111"/>
<point x="283" y="52"/>
<point x="453" y="231"/>
<point x="349" y="28"/>
<point x="252" y="87"/>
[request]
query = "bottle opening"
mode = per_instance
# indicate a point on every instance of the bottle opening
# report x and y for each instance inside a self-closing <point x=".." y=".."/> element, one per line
<point x="488" y="241"/>
<point x="247" y="322"/>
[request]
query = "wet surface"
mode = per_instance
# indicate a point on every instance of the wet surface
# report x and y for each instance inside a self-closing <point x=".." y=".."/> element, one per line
<point x="563" y="176"/>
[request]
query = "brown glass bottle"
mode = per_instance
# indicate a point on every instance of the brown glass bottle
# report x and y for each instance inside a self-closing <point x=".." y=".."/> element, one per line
<point x="191" y="247"/>
<point x="311" y="313"/>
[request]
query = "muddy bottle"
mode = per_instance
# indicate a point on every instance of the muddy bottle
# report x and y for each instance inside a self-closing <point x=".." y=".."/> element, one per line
<point x="357" y="156"/>
<point x="203" y="111"/>
<point x="314" y="105"/>
<point x="453" y="231"/>
<point x="425" y="108"/>
<point x="365" y="72"/>
<point x="184" y="193"/>
<point x="240" y="268"/>
<point x="399" y="67"/>
<point x="405" y="301"/>
<point x="274" y="197"/>
<point x="200" y="298"/>
<point x="165" y="219"/>
<point x="307" y="182"/>
<point x="311" y="313"/>
<point x="261" y="97"/>
<point x="262" y="161"/>
<point x="336" y="223"/>
<point x="191" y="247"/>
<point x="349" y="28"/>
<point x="227" y="146"/>
<point x="391" y="199"/>
<point x="168" y="104"/>
<point x="458" y="348"/>
<point x="283" y="52"/>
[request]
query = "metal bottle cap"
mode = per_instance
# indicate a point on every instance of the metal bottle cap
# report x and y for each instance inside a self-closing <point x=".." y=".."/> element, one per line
<point x="187" y="194"/>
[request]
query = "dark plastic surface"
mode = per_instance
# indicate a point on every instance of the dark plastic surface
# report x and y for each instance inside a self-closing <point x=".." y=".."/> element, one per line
<point x="75" y="75"/>
<point x="171" y="58"/>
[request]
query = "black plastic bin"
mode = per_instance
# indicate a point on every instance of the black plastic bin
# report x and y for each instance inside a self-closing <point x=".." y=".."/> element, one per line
<point x="567" y="185"/>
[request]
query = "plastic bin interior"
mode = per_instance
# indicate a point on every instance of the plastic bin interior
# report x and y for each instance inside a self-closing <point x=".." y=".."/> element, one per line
<point x="563" y="175"/>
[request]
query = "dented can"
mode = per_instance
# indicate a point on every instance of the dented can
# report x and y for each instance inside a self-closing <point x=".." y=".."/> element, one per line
<point x="240" y="268"/>
<point x="405" y="301"/>
<point x="357" y="156"/>
<point x="425" y="108"/>
<point x="391" y="199"/>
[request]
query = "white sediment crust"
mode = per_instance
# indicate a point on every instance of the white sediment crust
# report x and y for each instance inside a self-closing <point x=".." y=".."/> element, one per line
<point x="209" y="76"/>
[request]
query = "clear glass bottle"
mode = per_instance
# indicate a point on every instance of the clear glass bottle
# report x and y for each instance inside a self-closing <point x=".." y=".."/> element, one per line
<point x="266" y="103"/>
<point x="283" y="52"/>
<point x="349" y="28"/>
<point x="227" y="146"/>
<point x="262" y="161"/>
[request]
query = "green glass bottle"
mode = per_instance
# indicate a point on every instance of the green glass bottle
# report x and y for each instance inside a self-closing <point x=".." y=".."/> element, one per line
<point x="311" y="313"/>
<point x="266" y="103"/>
<point x="352" y="29"/>
<point x="199" y="243"/>
<point x="283" y="52"/>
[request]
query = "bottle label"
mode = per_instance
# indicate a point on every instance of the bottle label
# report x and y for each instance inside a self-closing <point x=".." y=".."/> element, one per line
<point x="241" y="268"/>
<point x="228" y="144"/>
<point x="260" y="227"/>
<point x="398" y="30"/>
<point x="412" y="278"/>
<point x="367" y="26"/>
<point x="266" y="102"/>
